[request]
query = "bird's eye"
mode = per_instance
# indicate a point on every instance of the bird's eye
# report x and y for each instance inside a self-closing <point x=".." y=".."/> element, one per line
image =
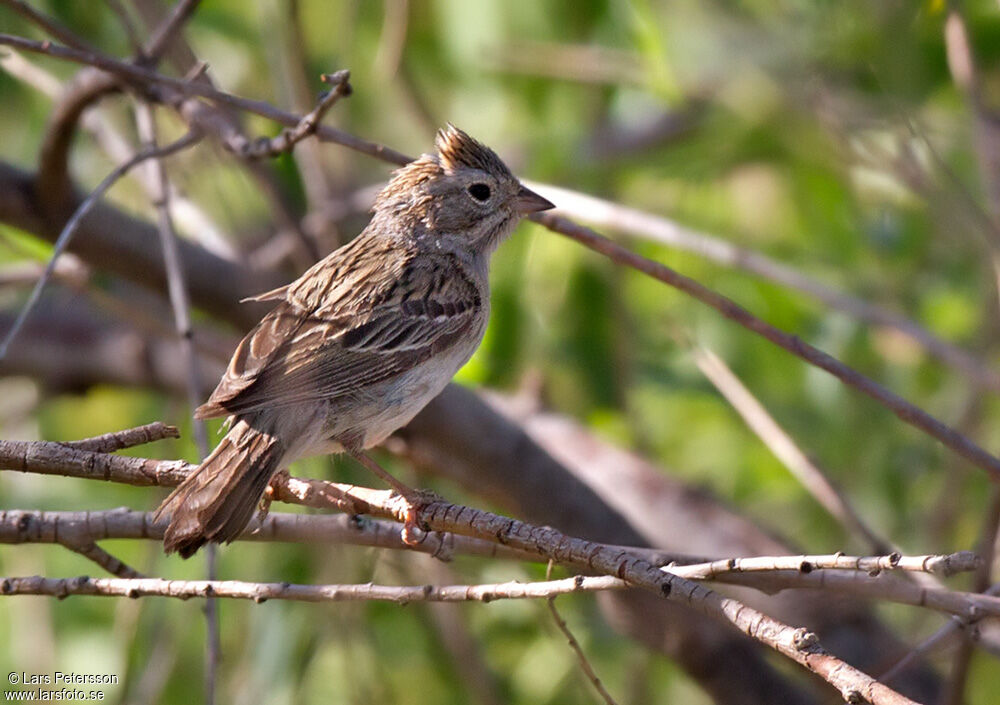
<point x="479" y="191"/>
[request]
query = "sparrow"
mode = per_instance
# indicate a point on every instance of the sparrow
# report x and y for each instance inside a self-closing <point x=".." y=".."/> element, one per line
<point x="362" y="341"/>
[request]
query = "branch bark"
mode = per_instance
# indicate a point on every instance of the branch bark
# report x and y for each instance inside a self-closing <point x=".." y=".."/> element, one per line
<point x="798" y="645"/>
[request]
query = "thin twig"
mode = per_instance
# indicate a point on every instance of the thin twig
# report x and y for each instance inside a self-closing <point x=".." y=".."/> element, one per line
<point x="164" y="34"/>
<point x="293" y="82"/>
<point x="179" y="302"/>
<point x="307" y="126"/>
<point x="70" y="228"/>
<point x="962" y="658"/>
<point x="143" y="77"/>
<point x="131" y="31"/>
<point x="49" y="25"/>
<point x="943" y="565"/>
<point x="129" y="438"/>
<point x="176" y="286"/>
<point x="581" y="657"/>
<point x="261" y="592"/>
<point x="784" y="448"/>
<point x="89" y="549"/>
<point x="928" y="645"/>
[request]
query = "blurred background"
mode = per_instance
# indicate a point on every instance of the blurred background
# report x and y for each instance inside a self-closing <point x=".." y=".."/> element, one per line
<point x="851" y="144"/>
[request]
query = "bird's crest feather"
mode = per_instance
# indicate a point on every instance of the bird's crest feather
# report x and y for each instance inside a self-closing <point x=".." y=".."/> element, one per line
<point x="456" y="149"/>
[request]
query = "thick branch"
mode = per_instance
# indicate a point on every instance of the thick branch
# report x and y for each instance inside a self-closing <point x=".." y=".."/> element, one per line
<point x="119" y="243"/>
<point x="22" y="527"/>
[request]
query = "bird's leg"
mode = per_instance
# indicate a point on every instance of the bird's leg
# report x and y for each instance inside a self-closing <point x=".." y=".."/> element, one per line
<point x="415" y="499"/>
<point x="401" y="489"/>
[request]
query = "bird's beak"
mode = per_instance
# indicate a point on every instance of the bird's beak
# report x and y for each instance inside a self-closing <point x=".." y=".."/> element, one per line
<point x="528" y="201"/>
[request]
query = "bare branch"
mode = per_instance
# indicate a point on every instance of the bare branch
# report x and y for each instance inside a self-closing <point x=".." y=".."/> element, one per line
<point x="179" y="302"/>
<point x="579" y="554"/>
<point x="261" y="592"/>
<point x="784" y="448"/>
<point x="49" y="25"/>
<point x="906" y="411"/>
<point x="176" y="286"/>
<point x="581" y="657"/>
<point x="98" y="555"/>
<point x="885" y="586"/>
<point x="20" y="527"/>
<point x="131" y="31"/>
<point x="87" y="87"/>
<point x="636" y="223"/>
<point x="950" y="628"/>
<point x="943" y="565"/>
<point x="70" y="228"/>
<point x="306" y="127"/>
<point x="164" y="34"/>
<point x="193" y="219"/>
<point x="143" y="77"/>
<point x="981" y="580"/>
<point x="129" y="438"/>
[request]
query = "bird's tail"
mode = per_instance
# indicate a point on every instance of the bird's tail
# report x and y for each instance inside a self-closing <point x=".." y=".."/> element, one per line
<point x="217" y="500"/>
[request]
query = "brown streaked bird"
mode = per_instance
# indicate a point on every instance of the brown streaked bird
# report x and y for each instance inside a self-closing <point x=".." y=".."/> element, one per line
<point x="362" y="341"/>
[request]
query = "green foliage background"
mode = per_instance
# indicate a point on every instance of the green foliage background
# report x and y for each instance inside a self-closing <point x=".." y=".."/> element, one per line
<point x="805" y="104"/>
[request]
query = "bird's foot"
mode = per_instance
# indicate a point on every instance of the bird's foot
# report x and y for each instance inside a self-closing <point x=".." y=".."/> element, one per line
<point x="264" y="506"/>
<point x="415" y="500"/>
<point x="414" y="529"/>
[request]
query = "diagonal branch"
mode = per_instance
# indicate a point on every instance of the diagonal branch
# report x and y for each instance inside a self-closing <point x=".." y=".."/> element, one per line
<point x="70" y="228"/>
<point x="90" y="550"/>
<point x="906" y="411"/>
<point x="638" y="224"/>
<point x="49" y="25"/>
<point x="784" y="448"/>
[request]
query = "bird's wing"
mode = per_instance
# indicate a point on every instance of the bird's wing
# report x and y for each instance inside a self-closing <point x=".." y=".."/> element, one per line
<point x="337" y="335"/>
